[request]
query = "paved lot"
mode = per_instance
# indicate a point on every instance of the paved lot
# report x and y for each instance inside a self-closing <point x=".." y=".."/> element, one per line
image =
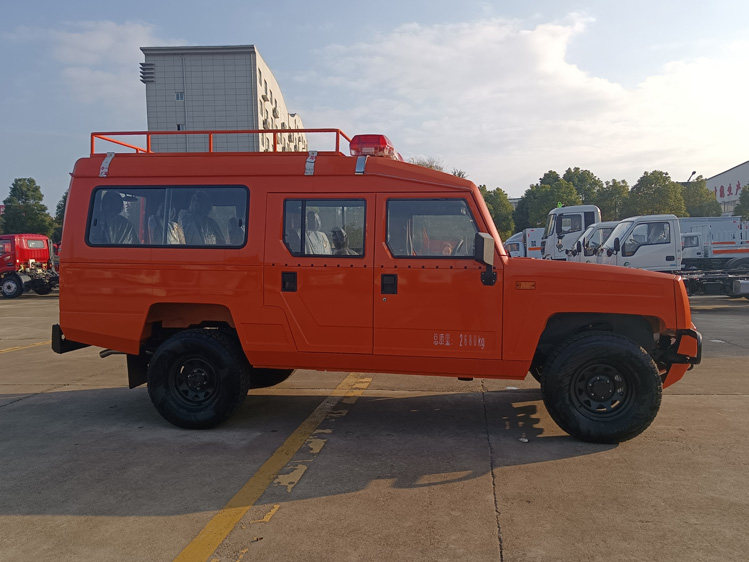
<point x="398" y="468"/>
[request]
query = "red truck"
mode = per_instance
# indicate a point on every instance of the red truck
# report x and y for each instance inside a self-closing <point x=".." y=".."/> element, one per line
<point x="26" y="264"/>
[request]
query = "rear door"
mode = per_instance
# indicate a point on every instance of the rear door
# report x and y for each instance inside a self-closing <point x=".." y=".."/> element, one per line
<point x="319" y="269"/>
<point x="429" y="299"/>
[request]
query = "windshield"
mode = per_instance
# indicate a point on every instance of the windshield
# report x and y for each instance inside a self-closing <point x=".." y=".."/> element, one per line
<point x="549" y="226"/>
<point x="598" y="237"/>
<point x="618" y="232"/>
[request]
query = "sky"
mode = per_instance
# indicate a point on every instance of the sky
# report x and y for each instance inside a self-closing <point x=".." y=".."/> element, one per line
<point x="504" y="91"/>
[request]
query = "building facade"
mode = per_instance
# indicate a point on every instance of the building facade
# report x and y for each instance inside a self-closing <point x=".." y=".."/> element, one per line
<point x="215" y="88"/>
<point x="727" y="186"/>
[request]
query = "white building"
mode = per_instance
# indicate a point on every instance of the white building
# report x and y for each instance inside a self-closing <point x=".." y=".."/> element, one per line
<point x="727" y="186"/>
<point x="215" y="88"/>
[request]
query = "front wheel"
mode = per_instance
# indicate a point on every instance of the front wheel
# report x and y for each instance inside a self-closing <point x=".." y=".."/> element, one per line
<point x="12" y="286"/>
<point x="198" y="378"/>
<point x="601" y="387"/>
<point x="43" y="289"/>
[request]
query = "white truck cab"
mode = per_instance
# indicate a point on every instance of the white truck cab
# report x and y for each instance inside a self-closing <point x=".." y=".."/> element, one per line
<point x="651" y="242"/>
<point x="585" y="249"/>
<point x="564" y="225"/>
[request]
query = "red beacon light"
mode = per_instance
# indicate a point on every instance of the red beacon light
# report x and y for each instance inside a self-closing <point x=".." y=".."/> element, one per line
<point x="373" y="145"/>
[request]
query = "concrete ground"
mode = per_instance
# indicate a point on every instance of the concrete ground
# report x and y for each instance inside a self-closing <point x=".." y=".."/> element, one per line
<point x="363" y="467"/>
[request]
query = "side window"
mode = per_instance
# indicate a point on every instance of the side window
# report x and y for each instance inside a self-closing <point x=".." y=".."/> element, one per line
<point x="4" y="247"/>
<point x="324" y="227"/>
<point x="169" y="216"/>
<point x="433" y="228"/>
<point x="571" y="223"/>
<point x="646" y="234"/>
<point x="690" y="242"/>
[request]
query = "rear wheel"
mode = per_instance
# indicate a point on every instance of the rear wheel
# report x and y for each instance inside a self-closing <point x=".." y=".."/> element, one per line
<point x="198" y="378"/>
<point x="601" y="387"/>
<point x="43" y="289"/>
<point x="12" y="286"/>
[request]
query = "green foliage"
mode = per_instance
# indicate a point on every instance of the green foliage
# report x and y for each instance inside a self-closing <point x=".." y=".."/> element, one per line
<point x="24" y="210"/>
<point x="742" y="209"/>
<point x="59" y="217"/>
<point x="428" y="162"/>
<point x="699" y="200"/>
<point x="586" y="184"/>
<point x="655" y="193"/>
<point x="541" y="198"/>
<point x="611" y="199"/>
<point x="500" y="210"/>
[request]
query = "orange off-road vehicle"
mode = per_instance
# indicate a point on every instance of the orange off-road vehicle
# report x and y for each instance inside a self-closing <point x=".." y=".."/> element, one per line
<point x="216" y="272"/>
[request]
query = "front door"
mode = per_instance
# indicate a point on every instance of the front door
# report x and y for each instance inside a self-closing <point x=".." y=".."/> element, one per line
<point x="429" y="299"/>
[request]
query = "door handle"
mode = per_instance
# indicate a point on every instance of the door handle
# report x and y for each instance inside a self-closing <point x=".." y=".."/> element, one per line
<point x="389" y="284"/>
<point x="288" y="281"/>
<point x="670" y="258"/>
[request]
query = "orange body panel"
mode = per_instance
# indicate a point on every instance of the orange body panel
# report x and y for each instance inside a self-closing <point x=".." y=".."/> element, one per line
<point x="442" y="321"/>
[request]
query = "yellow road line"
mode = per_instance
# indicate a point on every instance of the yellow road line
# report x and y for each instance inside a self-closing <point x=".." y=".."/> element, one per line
<point x="20" y="347"/>
<point x="219" y="527"/>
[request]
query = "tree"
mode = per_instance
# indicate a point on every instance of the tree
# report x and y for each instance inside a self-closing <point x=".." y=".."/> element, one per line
<point x="500" y="210"/>
<point x="742" y="209"/>
<point x="59" y="217"/>
<point x="428" y="162"/>
<point x="541" y="198"/>
<point x="586" y="184"/>
<point x="24" y="210"/>
<point x="655" y="193"/>
<point x="459" y="173"/>
<point x="699" y="200"/>
<point x="611" y="199"/>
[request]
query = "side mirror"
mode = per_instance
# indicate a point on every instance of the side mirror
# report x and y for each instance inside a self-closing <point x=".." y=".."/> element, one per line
<point x="483" y="249"/>
<point x="617" y="245"/>
<point x="558" y="225"/>
<point x="579" y="247"/>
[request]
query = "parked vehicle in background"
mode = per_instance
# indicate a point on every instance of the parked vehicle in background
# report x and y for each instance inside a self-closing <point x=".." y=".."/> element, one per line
<point x="654" y="243"/>
<point x="564" y="225"/>
<point x="585" y="249"/>
<point x="715" y="243"/>
<point x="26" y="263"/>
<point x="218" y="272"/>
<point x="525" y="244"/>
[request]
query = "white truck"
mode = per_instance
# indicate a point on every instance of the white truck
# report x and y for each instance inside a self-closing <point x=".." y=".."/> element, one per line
<point x="564" y="225"/>
<point x="586" y="248"/>
<point x="525" y="244"/>
<point x="715" y="243"/>
<point x="654" y="242"/>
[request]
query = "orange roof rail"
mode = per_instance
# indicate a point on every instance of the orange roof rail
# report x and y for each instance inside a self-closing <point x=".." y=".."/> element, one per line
<point x="107" y="137"/>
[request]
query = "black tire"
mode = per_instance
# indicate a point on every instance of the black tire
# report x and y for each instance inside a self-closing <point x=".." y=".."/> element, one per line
<point x="12" y="286"/>
<point x="535" y="373"/>
<point x="43" y="289"/>
<point x="601" y="387"/>
<point x="738" y="264"/>
<point x="198" y="378"/>
<point x="263" y="378"/>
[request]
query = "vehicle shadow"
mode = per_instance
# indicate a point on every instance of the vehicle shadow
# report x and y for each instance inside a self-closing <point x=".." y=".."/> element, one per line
<point x="107" y="452"/>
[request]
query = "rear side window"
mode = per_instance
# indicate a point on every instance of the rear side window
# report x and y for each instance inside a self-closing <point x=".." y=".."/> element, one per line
<point x="36" y="244"/>
<point x="430" y="228"/>
<point x="324" y="227"/>
<point x="188" y="216"/>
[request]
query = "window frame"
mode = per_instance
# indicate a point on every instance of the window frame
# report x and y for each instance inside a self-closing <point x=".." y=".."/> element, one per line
<point x="422" y="199"/>
<point x="120" y="188"/>
<point x="628" y="254"/>
<point x="303" y="224"/>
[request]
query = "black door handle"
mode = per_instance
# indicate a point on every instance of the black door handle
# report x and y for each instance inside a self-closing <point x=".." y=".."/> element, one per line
<point x="670" y="258"/>
<point x="288" y="281"/>
<point x="389" y="284"/>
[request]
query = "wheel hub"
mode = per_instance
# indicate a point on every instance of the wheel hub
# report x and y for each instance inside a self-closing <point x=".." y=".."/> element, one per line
<point x="195" y="381"/>
<point x="600" y="389"/>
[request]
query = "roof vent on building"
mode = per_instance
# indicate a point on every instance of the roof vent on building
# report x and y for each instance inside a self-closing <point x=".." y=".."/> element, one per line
<point x="147" y="72"/>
